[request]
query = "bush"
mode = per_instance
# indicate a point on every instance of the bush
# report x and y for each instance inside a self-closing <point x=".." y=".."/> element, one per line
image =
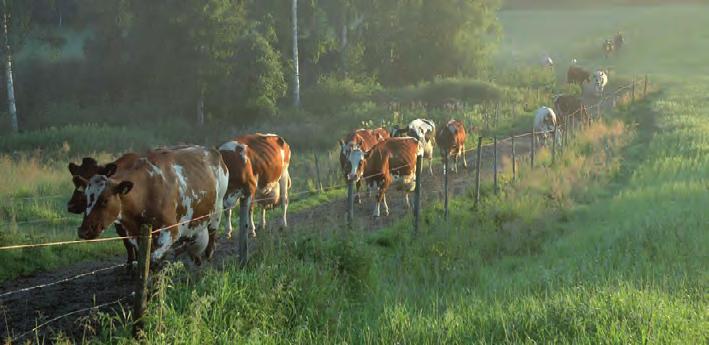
<point x="331" y="93"/>
<point x="441" y="91"/>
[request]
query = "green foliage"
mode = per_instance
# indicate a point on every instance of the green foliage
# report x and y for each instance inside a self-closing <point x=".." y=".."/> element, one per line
<point x="331" y="93"/>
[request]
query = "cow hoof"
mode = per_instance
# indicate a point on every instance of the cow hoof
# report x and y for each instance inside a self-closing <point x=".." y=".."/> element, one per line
<point x="252" y="234"/>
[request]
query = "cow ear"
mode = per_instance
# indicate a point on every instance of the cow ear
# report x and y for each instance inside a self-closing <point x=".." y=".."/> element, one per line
<point x="108" y="170"/>
<point x="342" y="143"/>
<point x="79" y="181"/>
<point x="73" y="168"/>
<point x="88" y="161"/>
<point x="123" y="188"/>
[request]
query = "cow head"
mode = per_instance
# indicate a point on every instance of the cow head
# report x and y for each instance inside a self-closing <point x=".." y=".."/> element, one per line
<point x="399" y="131"/>
<point x="103" y="203"/>
<point x="89" y="167"/>
<point x="352" y="155"/>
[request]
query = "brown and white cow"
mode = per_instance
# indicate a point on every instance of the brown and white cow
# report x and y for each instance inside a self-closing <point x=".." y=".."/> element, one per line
<point x="178" y="189"/>
<point x="258" y="171"/>
<point x="391" y="161"/>
<point x="451" y="142"/>
<point x="568" y="105"/>
<point x="77" y="204"/>
<point x="364" y="140"/>
<point x="577" y="75"/>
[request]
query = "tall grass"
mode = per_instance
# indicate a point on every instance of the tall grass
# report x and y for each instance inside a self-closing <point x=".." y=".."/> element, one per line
<point x="557" y="257"/>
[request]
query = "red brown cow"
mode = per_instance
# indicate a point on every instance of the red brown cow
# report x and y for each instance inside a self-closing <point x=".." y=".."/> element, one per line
<point x="392" y="160"/>
<point x="451" y="142"/>
<point x="258" y="171"/>
<point x="77" y="204"/>
<point x="568" y="105"/>
<point x="577" y="75"/>
<point x="177" y="189"/>
<point x="364" y="139"/>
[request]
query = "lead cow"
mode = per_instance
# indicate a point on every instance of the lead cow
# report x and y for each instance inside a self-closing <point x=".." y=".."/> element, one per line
<point x="77" y="204"/>
<point x="258" y="170"/>
<point x="177" y="190"/>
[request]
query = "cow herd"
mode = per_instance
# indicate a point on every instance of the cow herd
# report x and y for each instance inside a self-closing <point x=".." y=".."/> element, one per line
<point x="182" y="191"/>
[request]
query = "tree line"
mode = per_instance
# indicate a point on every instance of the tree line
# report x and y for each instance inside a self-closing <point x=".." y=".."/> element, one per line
<point x="208" y="60"/>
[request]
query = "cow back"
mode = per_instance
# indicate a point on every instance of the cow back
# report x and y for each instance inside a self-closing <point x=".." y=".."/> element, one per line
<point x="393" y="156"/>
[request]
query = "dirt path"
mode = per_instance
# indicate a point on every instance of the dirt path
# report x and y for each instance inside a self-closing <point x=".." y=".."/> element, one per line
<point x="21" y="312"/>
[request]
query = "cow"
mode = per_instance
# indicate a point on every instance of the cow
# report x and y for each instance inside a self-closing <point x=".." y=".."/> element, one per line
<point x="608" y="48"/>
<point x="568" y="105"/>
<point x="451" y="142"/>
<point x="178" y="190"/>
<point x="258" y="172"/>
<point x="600" y="80"/>
<point x="364" y="139"/>
<point x="545" y="122"/>
<point x="425" y="132"/>
<point x="391" y="161"/>
<point x="577" y="75"/>
<point x="618" y="41"/>
<point x="77" y="204"/>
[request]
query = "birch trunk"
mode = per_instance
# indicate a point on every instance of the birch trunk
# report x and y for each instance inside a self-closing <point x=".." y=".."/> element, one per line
<point x="296" y="77"/>
<point x="8" y="73"/>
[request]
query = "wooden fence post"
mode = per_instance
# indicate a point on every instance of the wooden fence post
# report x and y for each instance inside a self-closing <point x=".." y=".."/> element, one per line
<point x="417" y="193"/>
<point x="244" y="206"/>
<point x="141" y="288"/>
<point x="477" y="171"/>
<point x="633" y="89"/>
<point x="645" y="87"/>
<point x="494" y="160"/>
<point x="534" y="134"/>
<point x="317" y="171"/>
<point x="445" y="186"/>
<point x="514" y="160"/>
<point x="350" y="201"/>
<point x="554" y="138"/>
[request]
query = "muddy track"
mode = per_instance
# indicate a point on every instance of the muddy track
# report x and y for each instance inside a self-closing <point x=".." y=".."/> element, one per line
<point x="21" y="312"/>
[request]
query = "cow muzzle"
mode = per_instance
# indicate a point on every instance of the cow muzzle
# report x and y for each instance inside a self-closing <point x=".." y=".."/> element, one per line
<point x="90" y="232"/>
<point x="353" y="177"/>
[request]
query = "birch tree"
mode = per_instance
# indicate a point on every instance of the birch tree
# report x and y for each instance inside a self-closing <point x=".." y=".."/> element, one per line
<point x="10" y="85"/>
<point x="296" y="68"/>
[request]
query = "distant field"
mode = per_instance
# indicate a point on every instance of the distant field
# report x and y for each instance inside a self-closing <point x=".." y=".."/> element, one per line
<point x="665" y="40"/>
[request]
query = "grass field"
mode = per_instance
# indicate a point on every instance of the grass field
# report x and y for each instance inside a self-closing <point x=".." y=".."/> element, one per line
<point x="606" y="247"/>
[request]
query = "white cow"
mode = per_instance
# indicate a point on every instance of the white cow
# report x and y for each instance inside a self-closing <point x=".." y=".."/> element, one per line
<point x="545" y="122"/>
<point x="425" y="131"/>
<point x="600" y="80"/>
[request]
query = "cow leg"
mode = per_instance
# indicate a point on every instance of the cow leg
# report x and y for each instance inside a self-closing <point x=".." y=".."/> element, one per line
<point x="386" y="207"/>
<point x="380" y="197"/>
<point x="430" y="165"/>
<point x="252" y="225"/>
<point x="229" y="204"/>
<point x="462" y="154"/>
<point x="406" y="200"/>
<point x="130" y="248"/>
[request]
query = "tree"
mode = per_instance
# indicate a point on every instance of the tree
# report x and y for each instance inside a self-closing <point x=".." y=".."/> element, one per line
<point x="9" y="83"/>
<point x="296" y="67"/>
